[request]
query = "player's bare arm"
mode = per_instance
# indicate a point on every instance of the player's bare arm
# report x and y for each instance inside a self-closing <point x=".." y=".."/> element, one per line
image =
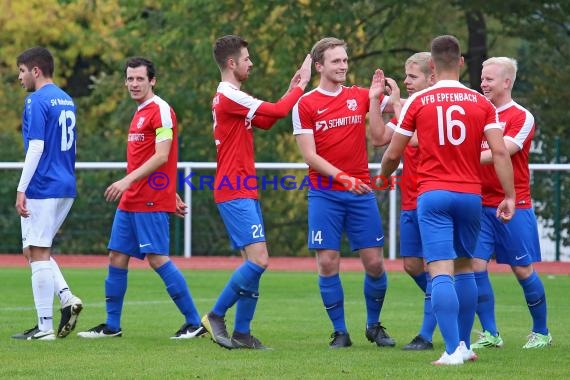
<point x="306" y="143"/>
<point x="414" y="139"/>
<point x="393" y="154"/>
<point x="504" y="170"/>
<point x="159" y="158"/>
<point x="487" y="157"/>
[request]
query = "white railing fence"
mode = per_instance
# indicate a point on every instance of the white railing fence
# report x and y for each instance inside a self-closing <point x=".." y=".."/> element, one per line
<point x="189" y="167"/>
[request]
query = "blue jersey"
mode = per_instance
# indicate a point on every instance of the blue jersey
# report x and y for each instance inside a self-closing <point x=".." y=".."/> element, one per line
<point x="49" y="115"/>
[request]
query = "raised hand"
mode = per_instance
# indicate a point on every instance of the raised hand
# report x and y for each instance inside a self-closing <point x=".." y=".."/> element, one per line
<point x="305" y="72"/>
<point x="377" y="85"/>
<point x="393" y="90"/>
<point x="294" y="81"/>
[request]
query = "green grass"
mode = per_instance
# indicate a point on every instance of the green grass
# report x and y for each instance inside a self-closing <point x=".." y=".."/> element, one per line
<point x="290" y="318"/>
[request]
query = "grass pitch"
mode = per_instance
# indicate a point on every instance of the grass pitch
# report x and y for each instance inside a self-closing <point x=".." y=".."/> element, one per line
<point x="290" y="318"/>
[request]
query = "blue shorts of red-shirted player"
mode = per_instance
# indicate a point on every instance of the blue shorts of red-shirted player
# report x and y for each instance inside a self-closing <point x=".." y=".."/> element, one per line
<point x="139" y="233"/>
<point x="243" y="221"/>
<point x="515" y="243"/>
<point x="410" y="239"/>
<point x="449" y="224"/>
<point x="333" y="212"/>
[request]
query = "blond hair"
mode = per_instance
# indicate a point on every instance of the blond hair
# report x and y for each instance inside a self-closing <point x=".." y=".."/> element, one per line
<point x="508" y="67"/>
<point x="422" y="60"/>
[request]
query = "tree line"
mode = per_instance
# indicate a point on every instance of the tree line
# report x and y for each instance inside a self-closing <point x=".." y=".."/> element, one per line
<point x="91" y="40"/>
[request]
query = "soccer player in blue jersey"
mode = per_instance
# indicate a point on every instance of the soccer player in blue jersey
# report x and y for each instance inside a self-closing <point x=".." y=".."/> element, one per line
<point x="47" y="189"/>
<point x="516" y="243"/>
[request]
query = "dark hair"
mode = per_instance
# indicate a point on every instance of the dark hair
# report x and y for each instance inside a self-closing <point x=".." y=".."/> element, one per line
<point x="318" y="50"/>
<point x="228" y="47"/>
<point x="39" y="57"/>
<point x="445" y="52"/>
<point x="140" y="61"/>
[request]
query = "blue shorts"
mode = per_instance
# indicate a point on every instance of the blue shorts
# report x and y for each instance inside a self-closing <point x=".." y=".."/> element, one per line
<point x="140" y="233"/>
<point x="449" y="224"/>
<point x="332" y="212"/>
<point x="243" y="221"/>
<point x="515" y="243"/>
<point x="410" y="239"/>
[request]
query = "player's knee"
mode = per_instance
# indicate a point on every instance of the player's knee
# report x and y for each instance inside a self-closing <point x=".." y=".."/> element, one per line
<point x="463" y="265"/>
<point x="479" y="265"/>
<point x="156" y="261"/>
<point x="522" y="272"/>
<point x="328" y="262"/>
<point x="118" y="260"/>
<point x="375" y="268"/>
<point x="410" y="270"/>
<point x="257" y="253"/>
<point x="413" y="267"/>
<point x="262" y="261"/>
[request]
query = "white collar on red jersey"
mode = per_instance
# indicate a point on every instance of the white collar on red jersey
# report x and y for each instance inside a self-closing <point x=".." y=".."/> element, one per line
<point x="146" y="102"/>
<point x="448" y="83"/>
<point x="330" y="93"/>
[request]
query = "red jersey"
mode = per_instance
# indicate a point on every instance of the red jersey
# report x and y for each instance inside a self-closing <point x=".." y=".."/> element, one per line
<point x="337" y="120"/>
<point x="408" y="182"/>
<point x="450" y="120"/>
<point x="518" y="127"/>
<point x="141" y="197"/>
<point x="235" y="114"/>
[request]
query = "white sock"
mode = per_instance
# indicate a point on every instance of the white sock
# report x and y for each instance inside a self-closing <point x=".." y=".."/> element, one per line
<point x="43" y="289"/>
<point x="60" y="285"/>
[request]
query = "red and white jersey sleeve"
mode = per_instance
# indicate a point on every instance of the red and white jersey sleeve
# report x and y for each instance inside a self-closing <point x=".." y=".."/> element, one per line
<point x="337" y="122"/>
<point x="450" y="120"/>
<point x="161" y="196"/>
<point x="518" y="128"/>
<point x="408" y="181"/>
<point x="234" y="114"/>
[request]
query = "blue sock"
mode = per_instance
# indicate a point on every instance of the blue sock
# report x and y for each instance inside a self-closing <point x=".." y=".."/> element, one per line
<point x="466" y="289"/>
<point x="429" y="322"/>
<point x="445" y="306"/>
<point x="374" y="293"/>
<point x="242" y="277"/>
<point x="333" y="299"/>
<point x="536" y="301"/>
<point x="421" y="280"/>
<point x="115" y="289"/>
<point x="247" y="302"/>
<point x="177" y="288"/>
<point x="486" y="302"/>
